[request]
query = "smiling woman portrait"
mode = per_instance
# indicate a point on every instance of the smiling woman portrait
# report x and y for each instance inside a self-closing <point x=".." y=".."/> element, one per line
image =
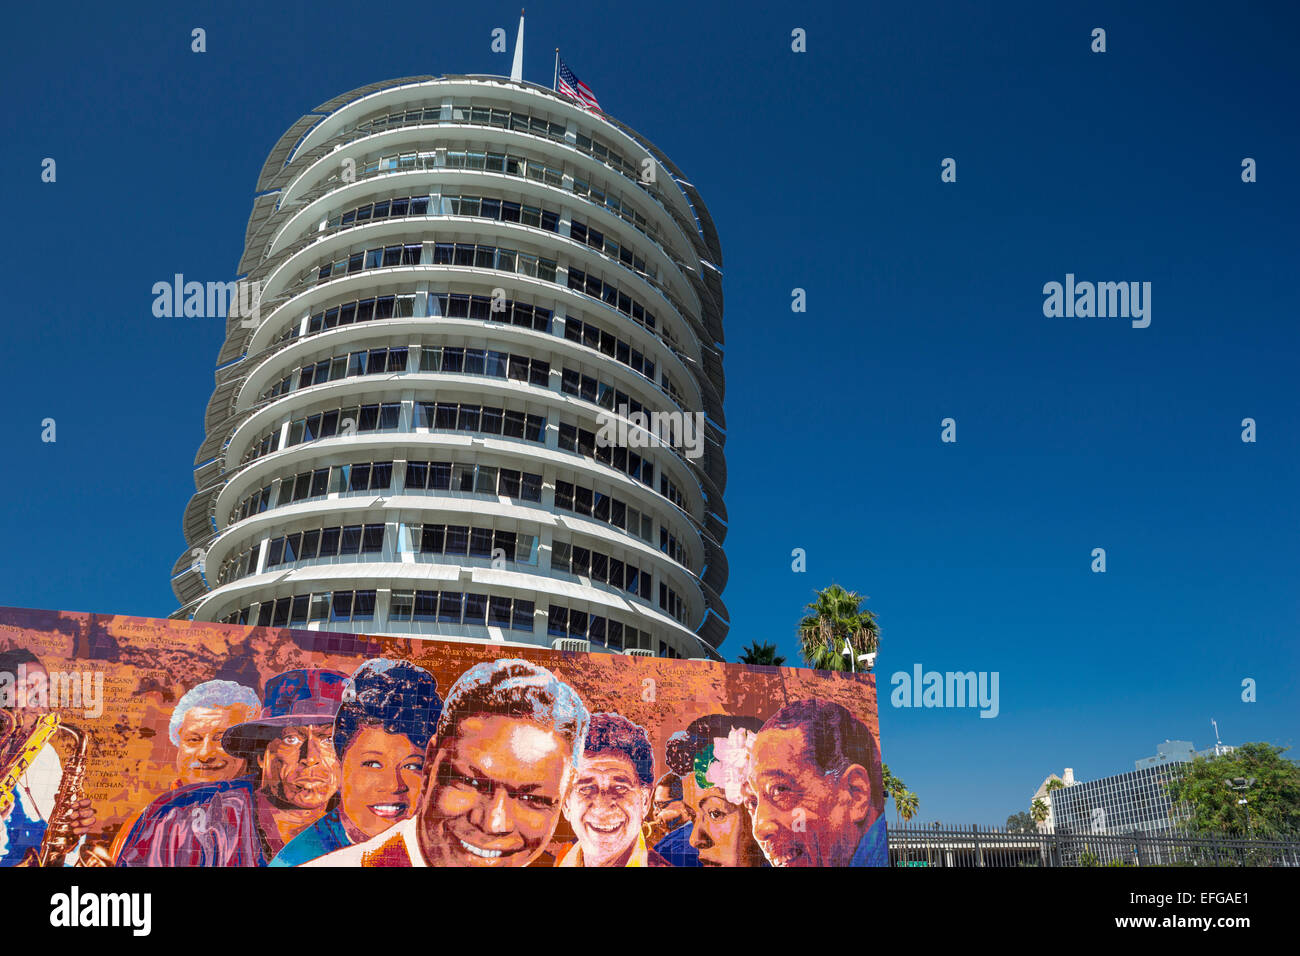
<point x="389" y="711"/>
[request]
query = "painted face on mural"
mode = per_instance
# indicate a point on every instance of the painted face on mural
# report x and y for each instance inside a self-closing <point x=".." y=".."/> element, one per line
<point x="494" y="795"/>
<point x="802" y="817"/>
<point x="669" y="812"/>
<point x="299" y="768"/>
<point x="606" y="807"/>
<point x="200" y="758"/>
<point x="381" y="780"/>
<point x="721" y="831"/>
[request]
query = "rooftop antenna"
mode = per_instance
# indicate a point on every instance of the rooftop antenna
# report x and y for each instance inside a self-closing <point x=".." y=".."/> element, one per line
<point x="517" y="69"/>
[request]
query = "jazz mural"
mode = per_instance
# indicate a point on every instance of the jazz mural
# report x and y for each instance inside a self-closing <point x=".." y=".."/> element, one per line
<point x="140" y="742"/>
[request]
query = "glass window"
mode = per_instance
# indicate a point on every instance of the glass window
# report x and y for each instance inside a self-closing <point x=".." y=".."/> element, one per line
<point x="363" y="606"/>
<point x="557" y="621"/>
<point x="532" y="487"/>
<point x="457" y="539"/>
<point x="400" y="605"/>
<point x="499" y="611"/>
<point x="342" y="609"/>
<point x="522" y="619"/>
<point x="449" y="607"/>
<point x="480" y="545"/>
<point x="475" y="608"/>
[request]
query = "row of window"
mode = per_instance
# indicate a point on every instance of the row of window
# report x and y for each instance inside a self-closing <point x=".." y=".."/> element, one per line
<point x="320" y="606"/>
<point x="457" y="306"/>
<point x="670" y="546"/>
<point x="601" y="567"/>
<point x="487" y="207"/>
<point x="439" y="304"/>
<point x="385" y="209"/>
<point x="582" y="441"/>
<point x="357" y="418"/>
<point x="512" y="164"/>
<point x="335" y="479"/>
<point x="364" y="362"/>
<point x="481" y="207"/>
<point x="450" y="607"/>
<point x="601" y="242"/>
<point x="478" y="479"/>
<point x="408" y="254"/>
<point x="360" y="310"/>
<point x="458" y="360"/>
<point x="457" y="607"/>
<point x="671" y="602"/>
<point x="348" y="540"/>
<point x="483" y="419"/>
<point x="480" y="255"/>
<point x="593" y="504"/>
<point x="589" y="389"/>
<point x="474" y="542"/>
<point x="480" y="419"/>
<point x="594" y="337"/>
<point x="465" y="361"/>
<point x="352" y="540"/>
<point x="609" y="293"/>
<point x="615" y="635"/>
<point x="514" y="120"/>
<point x="502" y="210"/>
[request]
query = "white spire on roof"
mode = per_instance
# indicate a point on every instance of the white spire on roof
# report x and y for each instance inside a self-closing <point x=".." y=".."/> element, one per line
<point x="517" y="70"/>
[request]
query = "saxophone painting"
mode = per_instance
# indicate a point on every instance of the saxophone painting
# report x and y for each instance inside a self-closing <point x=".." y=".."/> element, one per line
<point x="28" y="760"/>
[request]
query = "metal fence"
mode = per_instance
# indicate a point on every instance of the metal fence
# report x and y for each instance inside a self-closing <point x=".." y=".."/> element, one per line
<point x="945" y="845"/>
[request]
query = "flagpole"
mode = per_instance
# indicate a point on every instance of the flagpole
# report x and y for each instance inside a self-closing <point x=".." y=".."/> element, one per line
<point x="555" y="83"/>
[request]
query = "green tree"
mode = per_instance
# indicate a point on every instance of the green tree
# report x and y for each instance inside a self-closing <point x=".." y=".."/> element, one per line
<point x="1274" y="797"/>
<point x="1055" y="784"/>
<point x="834" y="617"/>
<point x="907" y="803"/>
<point x="1038" y="810"/>
<point x="1088" y="858"/>
<point x="1021" y="823"/>
<point x="758" y="653"/>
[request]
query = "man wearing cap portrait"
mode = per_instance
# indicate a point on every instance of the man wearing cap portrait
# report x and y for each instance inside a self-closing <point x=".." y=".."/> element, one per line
<point x="248" y="820"/>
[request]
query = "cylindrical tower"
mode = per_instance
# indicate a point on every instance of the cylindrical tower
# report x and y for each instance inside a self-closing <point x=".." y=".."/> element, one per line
<point x="463" y="284"/>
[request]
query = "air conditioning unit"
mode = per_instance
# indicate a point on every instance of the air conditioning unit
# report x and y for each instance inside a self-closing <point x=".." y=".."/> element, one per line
<point x="639" y="652"/>
<point x="570" y="644"/>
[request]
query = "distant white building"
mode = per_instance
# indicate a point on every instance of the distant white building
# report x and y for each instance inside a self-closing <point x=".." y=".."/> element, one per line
<point x="1042" y="794"/>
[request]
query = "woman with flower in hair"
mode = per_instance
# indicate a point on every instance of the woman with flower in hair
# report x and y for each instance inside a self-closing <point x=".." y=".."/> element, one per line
<point x="712" y="758"/>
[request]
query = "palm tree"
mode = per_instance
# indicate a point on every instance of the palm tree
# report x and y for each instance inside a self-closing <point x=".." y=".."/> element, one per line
<point x="1038" y="810"/>
<point x="836" y="616"/>
<point x="1056" y="783"/>
<point x="758" y="653"/>
<point x="892" y="784"/>
<point x="906" y="803"/>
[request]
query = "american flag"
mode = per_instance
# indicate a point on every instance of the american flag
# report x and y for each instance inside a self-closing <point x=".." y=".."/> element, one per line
<point x="570" y="85"/>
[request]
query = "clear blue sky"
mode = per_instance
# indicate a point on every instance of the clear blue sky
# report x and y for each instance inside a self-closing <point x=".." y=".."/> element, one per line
<point x="925" y="301"/>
